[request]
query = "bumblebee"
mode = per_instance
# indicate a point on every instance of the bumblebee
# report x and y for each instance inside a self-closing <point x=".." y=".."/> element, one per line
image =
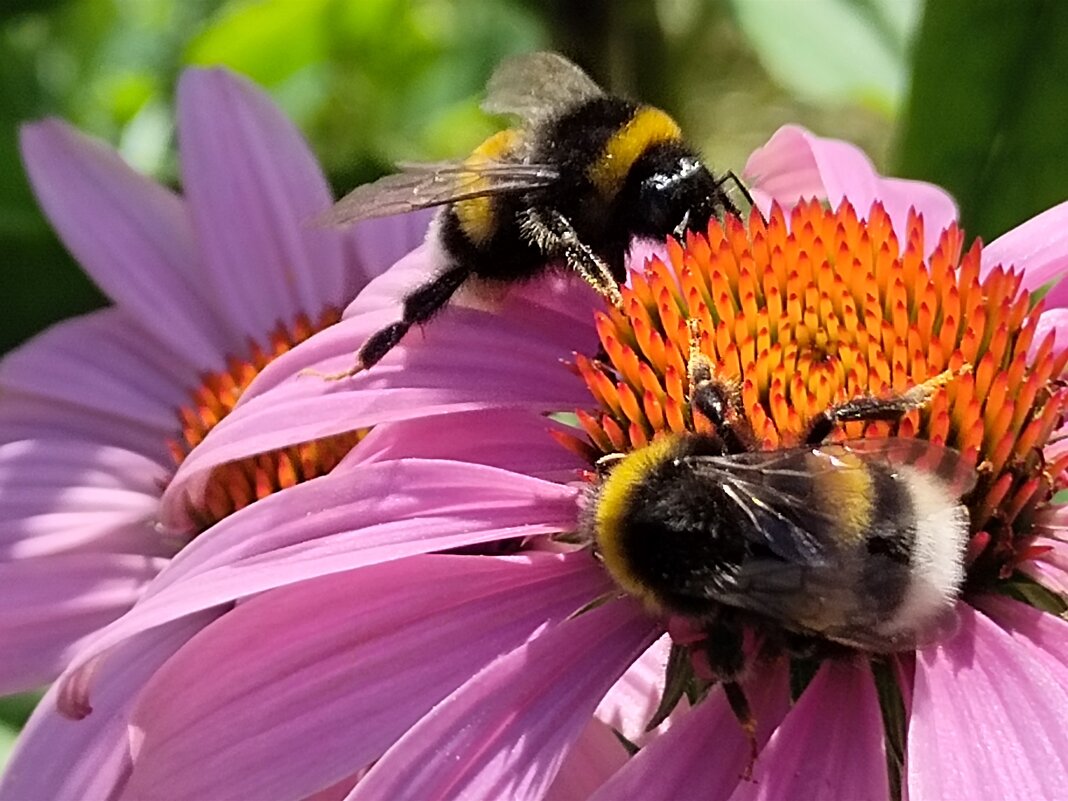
<point x="858" y="543"/>
<point x="584" y="175"/>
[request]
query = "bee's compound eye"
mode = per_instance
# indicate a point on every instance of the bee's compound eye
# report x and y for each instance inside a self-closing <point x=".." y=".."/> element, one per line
<point x="658" y="203"/>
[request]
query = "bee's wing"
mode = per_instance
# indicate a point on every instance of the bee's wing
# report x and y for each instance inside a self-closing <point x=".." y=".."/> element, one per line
<point x="420" y="186"/>
<point x="939" y="461"/>
<point x="794" y="572"/>
<point x="536" y="86"/>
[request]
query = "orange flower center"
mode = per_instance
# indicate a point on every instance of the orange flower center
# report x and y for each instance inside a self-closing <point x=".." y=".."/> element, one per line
<point x="237" y="484"/>
<point x="823" y="308"/>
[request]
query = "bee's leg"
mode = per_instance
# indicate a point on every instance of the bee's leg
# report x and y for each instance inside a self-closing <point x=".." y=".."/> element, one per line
<point x="608" y="461"/>
<point x="872" y="409"/>
<point x="418" y="307"/>
<point x="727" y="661"/>
<point x="716" y="399"/>
<point x="553" y="235"/>
<point x="729" y="176"/>
<point x="742" y="188"/>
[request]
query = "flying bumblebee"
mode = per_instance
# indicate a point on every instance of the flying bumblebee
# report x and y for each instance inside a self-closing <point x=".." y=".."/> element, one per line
<point x="584" y="175"/>
<point x="860" y="543"/>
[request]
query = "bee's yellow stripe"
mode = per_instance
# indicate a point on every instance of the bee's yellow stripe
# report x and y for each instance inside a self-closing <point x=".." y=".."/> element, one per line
<point x="649" y="126"/>
<point x="612" y="508"/>
<point x="850" y="492"/>
<point x="477" y="216"/>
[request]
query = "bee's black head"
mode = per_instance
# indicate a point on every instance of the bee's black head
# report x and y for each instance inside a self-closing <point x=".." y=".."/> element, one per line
<point x="669" y="191"/>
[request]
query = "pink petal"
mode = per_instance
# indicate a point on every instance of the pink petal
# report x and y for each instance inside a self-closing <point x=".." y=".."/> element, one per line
<point x="989" y="712"/>
<point x="1030" y="626"/>
<point x="59" y="759"/>
<point x="505" y="733"/>
<point x="254" y="190"/>
<point x="1050" y="575"/>
<point x="1053" y="321"/>
<point x="131" y="235"/>
<point x="830" y="745"/>
<point x="522" y="369"/>
<point x="1051" y="568"/>
<point x="510" y="439"/>
<point x="333" y="524"/>
<point x="387" y="289"/>
<point x="379" y="243"/>
<point x="106" y="363"/>
<point x="633" y="700"/>
<point x="706" y="748"/>
<point x="59" y="495"/>
<point x="1039" y="247"/>
<point x="795" y="164"/>
<point x="595" y="757"/>
<point x="365" y="655"/>
<point x="52" y="602"/>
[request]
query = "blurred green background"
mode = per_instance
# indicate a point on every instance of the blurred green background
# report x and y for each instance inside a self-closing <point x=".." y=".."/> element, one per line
<point x="964" y="92"/>
<point x="967" y="93"/>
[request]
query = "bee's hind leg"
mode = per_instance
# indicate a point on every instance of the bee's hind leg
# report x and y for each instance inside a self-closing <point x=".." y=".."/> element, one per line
<point x="552" y="233"/>
<point x="890" y="409"/>
<point x="418" y="307"/>
<point x="726" y="659"/>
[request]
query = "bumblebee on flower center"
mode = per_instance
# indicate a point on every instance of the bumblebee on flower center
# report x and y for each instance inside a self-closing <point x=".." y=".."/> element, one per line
<point x="799" y="316"/>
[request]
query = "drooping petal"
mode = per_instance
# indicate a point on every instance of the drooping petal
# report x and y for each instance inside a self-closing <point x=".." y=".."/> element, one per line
<point x="633" y="700"/>
<point x="521" y="370"/>
<point x="341" y="521"/>
<point x="106" y="363"/>
<point x="59" y="495"/>
<point x="505" y="732"/>
<point x="64" y="760"/>
<point x="830" y="745"/>
<point x="52" y="602"/>
<point x="706" y="748"/>
<point x="795" y="164"/>
<point x="365" y="655"/>
<point x="596" y="756"/>
<point x="254" y="190"/>
<point x="989" y="712"/>
<point x="1039" y="247"/>
<point x="510" y="439"/>
<point x="131" y="235"/>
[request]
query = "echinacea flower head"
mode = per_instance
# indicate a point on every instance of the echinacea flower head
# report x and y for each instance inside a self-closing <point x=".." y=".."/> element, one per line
<point x="207" y="286"/>
<point x="427" y="616"/>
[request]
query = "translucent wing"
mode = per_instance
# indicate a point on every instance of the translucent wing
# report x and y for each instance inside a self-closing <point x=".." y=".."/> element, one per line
<point x="795" y="567"/>
<point x="420" y="186"/>
<point x="535" y="86"/>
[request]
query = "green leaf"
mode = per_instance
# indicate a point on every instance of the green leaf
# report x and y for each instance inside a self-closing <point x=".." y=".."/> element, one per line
<point x="268" y="40"/>
<point x="987" y="116"/>
<point x="833" y="51"/>
<point x="15" y="709"/>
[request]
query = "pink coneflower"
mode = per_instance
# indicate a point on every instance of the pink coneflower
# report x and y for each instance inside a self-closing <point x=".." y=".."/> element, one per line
<point x="422" y="611"/>
<point x="208" y="287"/>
